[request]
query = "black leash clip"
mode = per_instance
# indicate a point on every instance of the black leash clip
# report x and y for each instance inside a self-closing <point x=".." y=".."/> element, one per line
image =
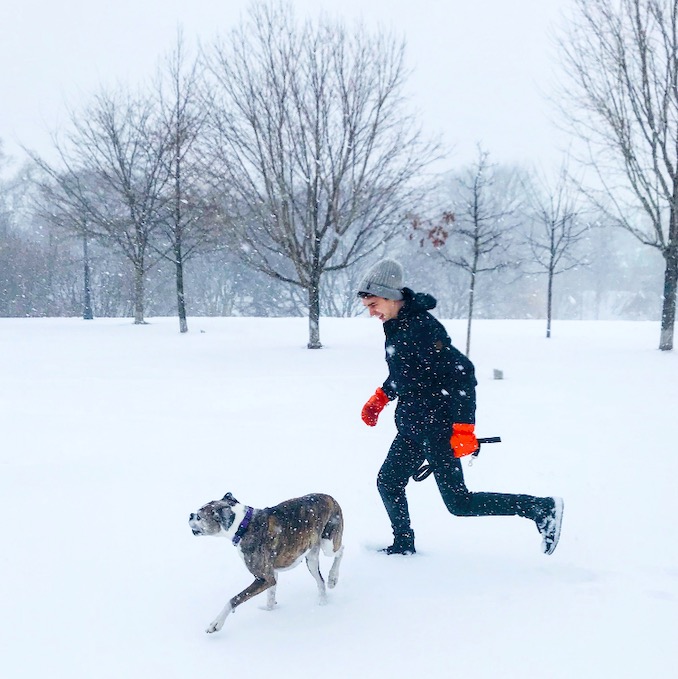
<point x="426" y="469"/>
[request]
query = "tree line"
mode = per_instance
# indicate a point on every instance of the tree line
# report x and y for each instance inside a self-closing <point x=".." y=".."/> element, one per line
<point x="265" y="173"/>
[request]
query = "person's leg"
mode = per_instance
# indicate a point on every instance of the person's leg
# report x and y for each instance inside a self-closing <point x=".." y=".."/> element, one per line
<point x="403" y="459"/>
<point x="460" y="501"/>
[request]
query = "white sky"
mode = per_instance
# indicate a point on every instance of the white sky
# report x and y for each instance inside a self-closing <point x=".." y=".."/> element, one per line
<point x="481" y="68"/>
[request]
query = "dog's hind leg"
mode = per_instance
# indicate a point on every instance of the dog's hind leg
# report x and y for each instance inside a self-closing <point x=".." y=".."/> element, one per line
<point x="313" y="563"/>
<point x="270" y="594"/>
<point x="331" y="544"/>
<point x="333" y="577"/>
<point x="258" y="586"/>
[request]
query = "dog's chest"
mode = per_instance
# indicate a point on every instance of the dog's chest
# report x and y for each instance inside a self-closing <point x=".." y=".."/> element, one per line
<point x="241" y="554"/>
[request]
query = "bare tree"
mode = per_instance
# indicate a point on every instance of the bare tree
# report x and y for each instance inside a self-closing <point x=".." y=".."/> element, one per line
<point x="190" y="223"/>
<point x="49" y="204"/>
<point x="621" y="65"/>
<point x="314" y="145"/>
<point x="556" y="230"/>
<point x="111" y="179"/>
<point x="475" y="234"/>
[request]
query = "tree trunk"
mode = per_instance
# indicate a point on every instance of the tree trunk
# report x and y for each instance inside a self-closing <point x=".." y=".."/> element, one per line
<point x="139" y="295"/>
<point x="549" y="303"/>
<point x="181" y="300"/>
<point x="471" y="293"/>
<point x="87" y="312"/>
<point x="669" y="304"/>
<point x="314" y="316"/>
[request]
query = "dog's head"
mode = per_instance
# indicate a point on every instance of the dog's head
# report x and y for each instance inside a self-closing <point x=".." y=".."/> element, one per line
<point x="214" y="517"/>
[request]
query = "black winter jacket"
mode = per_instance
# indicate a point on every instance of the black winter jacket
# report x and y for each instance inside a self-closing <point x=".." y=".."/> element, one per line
<point x="432" y="380"/>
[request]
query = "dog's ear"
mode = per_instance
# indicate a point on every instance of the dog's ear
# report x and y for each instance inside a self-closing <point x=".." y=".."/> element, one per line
<point x="225" y="517"/>
<point x="230" y="499"/>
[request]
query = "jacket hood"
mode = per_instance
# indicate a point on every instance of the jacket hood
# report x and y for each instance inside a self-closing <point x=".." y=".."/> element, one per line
<point x="418" y="301"/>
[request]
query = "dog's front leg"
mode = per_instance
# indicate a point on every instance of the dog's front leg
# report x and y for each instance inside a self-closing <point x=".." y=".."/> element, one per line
<point x="258" y="586"/>
<point x="271" y="602"/>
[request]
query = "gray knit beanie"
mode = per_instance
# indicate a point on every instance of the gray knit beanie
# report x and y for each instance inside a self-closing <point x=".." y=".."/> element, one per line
<point x="384" y="279"/>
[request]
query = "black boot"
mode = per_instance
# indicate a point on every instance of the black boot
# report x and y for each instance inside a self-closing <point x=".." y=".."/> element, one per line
<point x="402" y="544"/>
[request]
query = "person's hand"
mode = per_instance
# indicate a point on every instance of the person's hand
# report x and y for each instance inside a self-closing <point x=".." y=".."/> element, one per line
<point x="373" y="407"/>
<point x="463" y="439"/>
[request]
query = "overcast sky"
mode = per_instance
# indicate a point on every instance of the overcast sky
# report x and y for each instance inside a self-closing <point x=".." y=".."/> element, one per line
<point x="481" y="69"/>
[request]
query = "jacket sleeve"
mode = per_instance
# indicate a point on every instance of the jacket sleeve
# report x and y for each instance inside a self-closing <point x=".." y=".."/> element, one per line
<point x="464" y="389"/>
<point x="389" y="387"/>
<point x="454" y="373"/>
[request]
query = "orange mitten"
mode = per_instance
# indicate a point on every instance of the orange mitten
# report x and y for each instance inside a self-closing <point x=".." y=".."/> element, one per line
<point x="463" y="439"/>
<point x="374" y="406"/>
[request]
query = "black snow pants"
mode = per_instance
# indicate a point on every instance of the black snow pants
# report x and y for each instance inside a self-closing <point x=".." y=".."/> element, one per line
<point x="408" y="453"/>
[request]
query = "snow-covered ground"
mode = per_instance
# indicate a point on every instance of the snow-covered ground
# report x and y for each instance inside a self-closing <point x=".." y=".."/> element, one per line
<point x="111" y="434"/>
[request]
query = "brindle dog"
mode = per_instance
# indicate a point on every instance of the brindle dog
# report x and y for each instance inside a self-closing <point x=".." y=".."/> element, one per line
<point x="275" y="539"/>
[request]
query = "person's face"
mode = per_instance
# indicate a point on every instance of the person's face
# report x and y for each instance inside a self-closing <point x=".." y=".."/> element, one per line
<point x="383" y="309"/>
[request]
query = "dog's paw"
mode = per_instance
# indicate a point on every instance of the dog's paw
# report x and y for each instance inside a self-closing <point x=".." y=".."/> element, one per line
<point x="215" y="626"/>
<point x="332" y="581"/>
<point x="218" y="622"/>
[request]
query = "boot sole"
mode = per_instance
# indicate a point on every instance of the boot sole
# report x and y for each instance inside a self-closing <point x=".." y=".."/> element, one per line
<point x="559" y="507"/>
<point x="406" y="552"/>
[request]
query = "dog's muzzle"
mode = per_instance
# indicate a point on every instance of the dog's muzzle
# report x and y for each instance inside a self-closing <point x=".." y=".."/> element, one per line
<point x="193" y="523"/>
